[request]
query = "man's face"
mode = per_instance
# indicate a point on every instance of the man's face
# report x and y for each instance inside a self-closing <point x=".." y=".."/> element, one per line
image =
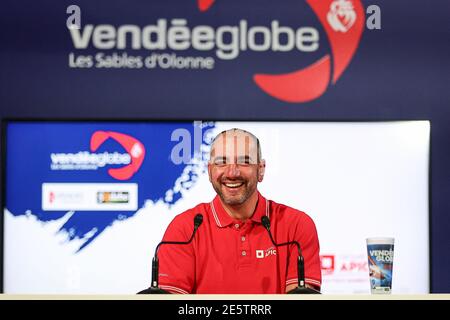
<point x="233" y="168"/>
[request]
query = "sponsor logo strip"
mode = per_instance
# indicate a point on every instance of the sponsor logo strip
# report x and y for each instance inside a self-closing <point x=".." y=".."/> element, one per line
<point x="89" y="196"/>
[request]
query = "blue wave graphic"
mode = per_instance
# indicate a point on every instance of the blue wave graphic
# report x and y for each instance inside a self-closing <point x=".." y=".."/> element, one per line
<point x="28" y="165"/>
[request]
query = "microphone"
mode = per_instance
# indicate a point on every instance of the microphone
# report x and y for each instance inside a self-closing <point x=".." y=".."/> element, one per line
<point x="301" y="287"/>
<point x="154" y="289"/>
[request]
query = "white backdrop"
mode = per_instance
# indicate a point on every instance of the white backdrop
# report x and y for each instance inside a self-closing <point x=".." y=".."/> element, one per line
<point x="356" y="180"/>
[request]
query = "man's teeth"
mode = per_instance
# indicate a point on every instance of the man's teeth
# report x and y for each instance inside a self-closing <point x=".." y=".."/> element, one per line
<point x="234" y="185"/>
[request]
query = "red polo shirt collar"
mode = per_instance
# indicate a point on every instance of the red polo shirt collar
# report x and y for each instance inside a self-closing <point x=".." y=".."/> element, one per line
<point x="223" y="219"/>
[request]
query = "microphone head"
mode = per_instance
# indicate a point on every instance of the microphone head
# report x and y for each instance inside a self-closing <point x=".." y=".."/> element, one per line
<point x="266" y="222"/>
<point x="198" y="220"/>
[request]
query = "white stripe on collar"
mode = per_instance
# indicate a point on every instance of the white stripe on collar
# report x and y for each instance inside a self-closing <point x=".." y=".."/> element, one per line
<point x="215" y="214"/>
<point x="216" y="217"/>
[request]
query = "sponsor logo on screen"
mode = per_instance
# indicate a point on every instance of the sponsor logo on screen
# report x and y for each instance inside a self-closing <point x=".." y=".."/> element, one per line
<point x="343" y="263"/>
<point x="113" y="197"/>
<point x="327" y="264"/>
<point x="89" y="160"/>
<point x="167" y="42"/>
<point x="89" y="196"/>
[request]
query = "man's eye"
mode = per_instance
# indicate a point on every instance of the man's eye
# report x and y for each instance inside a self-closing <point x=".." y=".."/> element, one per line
<point x="244" y="161"/>
<point x="220" y="162"/>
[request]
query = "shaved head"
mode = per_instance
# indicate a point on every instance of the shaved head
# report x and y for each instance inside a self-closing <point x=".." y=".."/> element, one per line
<point x="234" y="146"/>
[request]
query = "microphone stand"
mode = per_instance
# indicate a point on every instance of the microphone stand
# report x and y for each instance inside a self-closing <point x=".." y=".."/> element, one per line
<point x="154" y="288"/>
<point x="301" y="287"/>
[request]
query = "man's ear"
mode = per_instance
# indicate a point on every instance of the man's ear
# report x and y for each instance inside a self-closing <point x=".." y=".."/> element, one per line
<point x="209" y="171"/>
<point x="261" y="170"/>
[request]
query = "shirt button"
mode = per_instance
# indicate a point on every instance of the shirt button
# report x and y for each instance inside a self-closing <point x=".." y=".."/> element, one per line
<point x="242" y="239"/>
<point x="236" y="225"/>
<point x="244" y="253"/>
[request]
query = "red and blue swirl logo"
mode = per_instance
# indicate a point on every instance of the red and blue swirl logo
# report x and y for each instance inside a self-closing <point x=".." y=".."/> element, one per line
<point x="343" y="22"/>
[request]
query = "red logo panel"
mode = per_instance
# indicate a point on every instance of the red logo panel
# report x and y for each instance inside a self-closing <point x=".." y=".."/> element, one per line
<point x="133" y="147"/>
<point x="343" y="21"/>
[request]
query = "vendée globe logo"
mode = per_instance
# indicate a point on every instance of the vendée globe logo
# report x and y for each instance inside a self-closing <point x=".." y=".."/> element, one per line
<point x="89" y="160"/>
<point x="165" y="39"/>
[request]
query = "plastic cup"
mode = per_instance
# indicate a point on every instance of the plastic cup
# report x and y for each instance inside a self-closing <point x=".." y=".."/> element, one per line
<point x="380" y="252"/>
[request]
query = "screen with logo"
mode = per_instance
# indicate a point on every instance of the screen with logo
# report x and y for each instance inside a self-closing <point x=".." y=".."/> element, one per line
<point x="86" y="203"/>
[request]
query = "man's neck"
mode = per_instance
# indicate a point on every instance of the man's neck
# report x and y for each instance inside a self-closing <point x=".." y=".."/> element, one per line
<point x="242" y="211"/>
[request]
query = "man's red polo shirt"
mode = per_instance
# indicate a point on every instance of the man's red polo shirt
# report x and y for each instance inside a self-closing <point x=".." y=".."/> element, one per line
<point x="231" y="256"/>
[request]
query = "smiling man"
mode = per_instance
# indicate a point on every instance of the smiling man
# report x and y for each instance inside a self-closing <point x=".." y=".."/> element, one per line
<point x="235" y="168"/>
<point x="232" y="252"/>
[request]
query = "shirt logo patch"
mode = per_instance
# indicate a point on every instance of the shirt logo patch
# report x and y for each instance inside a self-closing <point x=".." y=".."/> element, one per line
<point x="260" y="254"/>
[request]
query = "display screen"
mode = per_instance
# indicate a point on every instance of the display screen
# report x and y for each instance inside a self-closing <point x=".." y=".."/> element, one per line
<point x="86" y="203"/>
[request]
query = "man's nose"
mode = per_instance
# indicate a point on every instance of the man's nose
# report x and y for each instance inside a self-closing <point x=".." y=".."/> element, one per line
<point x="233" y="170"/>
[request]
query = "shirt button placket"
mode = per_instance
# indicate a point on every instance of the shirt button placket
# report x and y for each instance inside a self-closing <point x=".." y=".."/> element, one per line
<point x="245" y="248"/>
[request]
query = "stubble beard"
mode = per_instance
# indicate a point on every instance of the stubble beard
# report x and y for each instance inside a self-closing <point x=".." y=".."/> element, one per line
<point x="248" y="190"/>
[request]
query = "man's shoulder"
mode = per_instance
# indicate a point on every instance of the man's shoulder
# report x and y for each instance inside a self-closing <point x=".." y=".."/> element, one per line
<point x="292" y="221"/>
<point x="285" y="209"/>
